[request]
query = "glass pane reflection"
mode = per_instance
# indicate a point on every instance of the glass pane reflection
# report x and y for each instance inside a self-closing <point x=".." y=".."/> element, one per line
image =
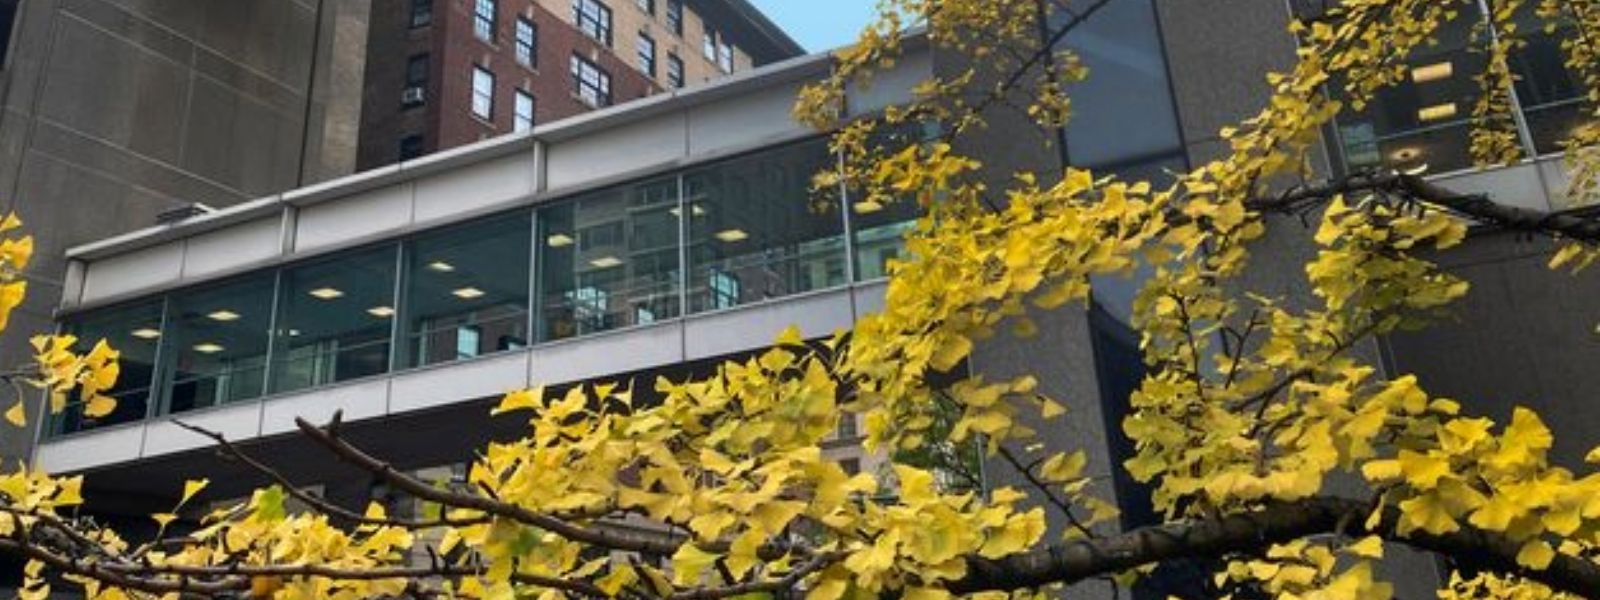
<point x="755" y="232"/>
<point x="335" y="322"/>
<point x="609" y="260"/>
<point x="134" y="331"/>
<point x="467" y="291"/>
<point x="217" y="344"/>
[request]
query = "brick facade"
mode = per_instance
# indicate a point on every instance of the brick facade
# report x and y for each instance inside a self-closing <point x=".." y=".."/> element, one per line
<point x="444" y="119"/>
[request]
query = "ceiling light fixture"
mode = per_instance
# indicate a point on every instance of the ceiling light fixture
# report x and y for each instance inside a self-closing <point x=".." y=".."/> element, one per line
<point x="326" y="293"/>
<point x="223" y="316"/>
<point x="468" y="293"/>
<point x="208" y="348"/>
<point x="1437" y="112"/>
<point x="867" y="207"/>
<point x="441" y="267"/>
<point x="606" y="262"/>
<point x="560" y="240"/>
<point x="1433" y="72"/>
<point x="146" y="333"/>
<point x="381" y="312"/>
<point x="732" y="235"/>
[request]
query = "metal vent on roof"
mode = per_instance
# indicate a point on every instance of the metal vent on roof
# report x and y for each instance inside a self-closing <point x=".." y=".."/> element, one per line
<point x="173" y="216"/>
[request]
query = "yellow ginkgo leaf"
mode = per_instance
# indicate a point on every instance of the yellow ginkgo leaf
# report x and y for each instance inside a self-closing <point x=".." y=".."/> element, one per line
<point x="99" y="406"/>
<point x="17" y="415"/>
<point x="192" y="487"/>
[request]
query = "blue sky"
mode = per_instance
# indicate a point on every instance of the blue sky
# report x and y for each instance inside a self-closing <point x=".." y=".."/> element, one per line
<point x="819" y="24"/>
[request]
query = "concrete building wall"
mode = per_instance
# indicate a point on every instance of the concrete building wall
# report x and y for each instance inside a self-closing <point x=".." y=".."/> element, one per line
<point x="115" y="110"/>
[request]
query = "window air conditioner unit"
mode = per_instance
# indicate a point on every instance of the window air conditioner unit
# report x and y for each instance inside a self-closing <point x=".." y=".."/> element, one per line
<point x="412" y="95"/>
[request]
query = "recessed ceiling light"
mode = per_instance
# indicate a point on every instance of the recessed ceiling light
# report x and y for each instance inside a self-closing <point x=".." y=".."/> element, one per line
<point x="208" y="348"/>
<point x="559" y="240"/>
<point x="326" y="293"/>
<point x="1416" y="170"/>
<point x="606" y="262"/>
<point x="1437" y="112"/>
<point x="294" y="333"/>
<point x="867" y="207"/>
<point x="696" y="210"/>
<point x="223" y="316"/>
<point x="1433" y="72"/>
<point x="1406" y="154"/>
<point x="468" y="293"/>
<point x="441" y="266"/>
<point x="146" y="333"/>
<point x="381" y="312"/>
<point x="732" y="235"/>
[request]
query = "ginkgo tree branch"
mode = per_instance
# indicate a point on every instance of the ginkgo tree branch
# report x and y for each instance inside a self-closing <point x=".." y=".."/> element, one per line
<point x="230" y="450"/>
<point x="1478" y="207"/>
<point x="1249" y="532"/>
<point x="328" y="438"/>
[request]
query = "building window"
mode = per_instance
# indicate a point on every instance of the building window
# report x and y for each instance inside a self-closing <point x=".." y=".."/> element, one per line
<point x="335" y="320"/>
<point x="708" y="45"/>
<point x="466" y="291"/>
<point x="648" y="6"/>
<point x="725" y="56"/>
<point x="523" y="112"/>
<point x="675" y="17"/>
<point x="215" y="345"/>
<point x="410" y="147"/>
<point x="647" y="55"/>
<point x="592" y="83"/>
<point x="415" y="92"/>
<point x="609" y="260"/>
<point x="135" y="331"/>
<point x="421" y="13"/>
<point x="674" y="70"/>
<point x="527" y="43"/>
<point x="484" y="18"/>
<point x="754" y="232"/>
<point x="1424" y="124"/>
<point x="594" y="19"/>
<point x="482" y="93"/>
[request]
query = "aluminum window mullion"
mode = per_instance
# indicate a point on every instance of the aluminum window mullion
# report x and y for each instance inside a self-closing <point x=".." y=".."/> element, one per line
<point x="685" y="214"/>
<point x="273" y="333"/>
<point x="1524" y="132"/>
<point x="156" y="398"/>
<point x="397" y="300"/>
<point x="535" y="303"/>
<point x="845" y="207"/>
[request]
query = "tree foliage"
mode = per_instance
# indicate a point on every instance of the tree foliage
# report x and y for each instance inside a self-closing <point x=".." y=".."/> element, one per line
<point x="1254" y="407"/>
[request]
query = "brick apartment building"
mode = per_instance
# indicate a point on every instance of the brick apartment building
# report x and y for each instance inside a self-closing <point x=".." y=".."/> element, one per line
<point x="444" y="73"/>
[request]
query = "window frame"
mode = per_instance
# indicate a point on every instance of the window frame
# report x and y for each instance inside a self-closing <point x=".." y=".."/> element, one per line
<point x="675" y="74"/>
<point x="597" y="26"/>
<point x="421" y="13"/>
<point x="646" y="51"/>
<point x="517" y="118"/>
<point x="484" y="26"/>
<point x="527" y="50"/>
<point x="602" y="83"/>
<point x="675" y="17"/>
<point x="488" y="98"/>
